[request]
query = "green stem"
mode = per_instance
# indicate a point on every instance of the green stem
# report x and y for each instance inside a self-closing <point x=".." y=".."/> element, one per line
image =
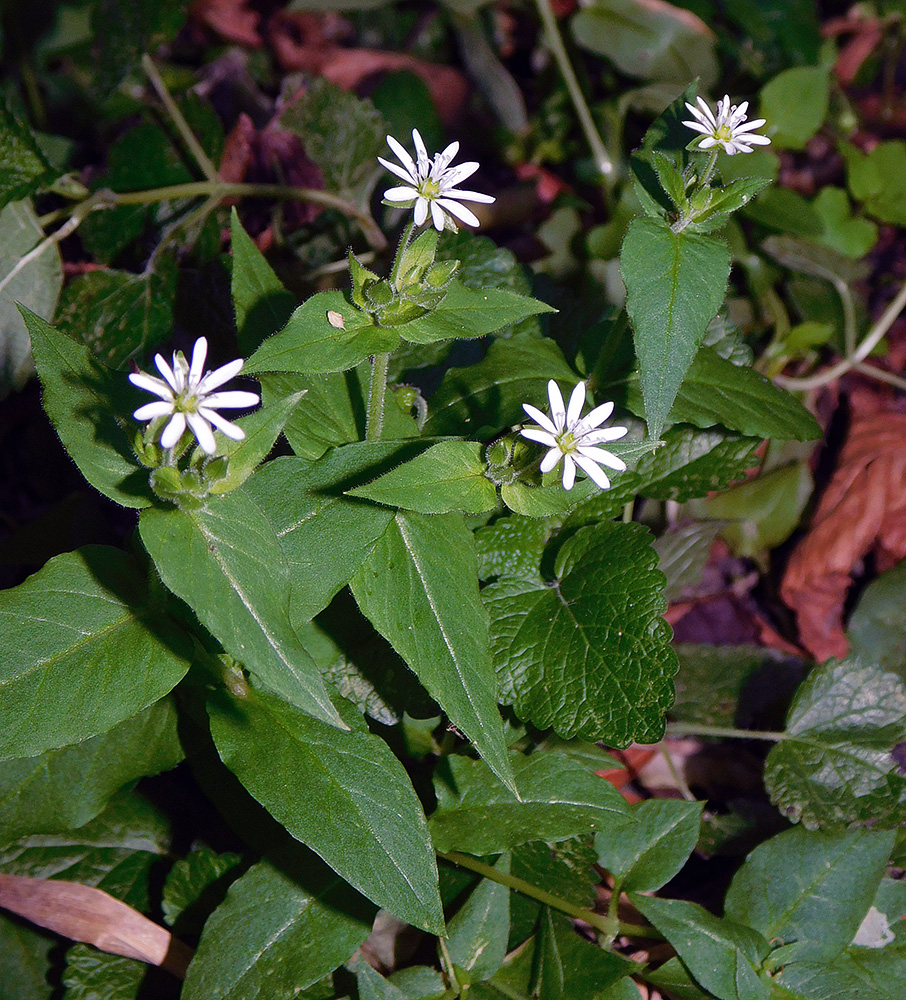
<point x="598" y="150"/>
<point x="405" y="240"/>
<point x="596" y="920"/>
<point x="185" y="130"/>
<point x="709" y="168"/>
<point x="694" y="729"/>
<point x="374" y="422"/>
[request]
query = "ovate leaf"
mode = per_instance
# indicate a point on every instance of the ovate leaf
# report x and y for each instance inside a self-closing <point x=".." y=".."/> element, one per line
<point x="350" y="799"/>
<point x="675" y="283"/>
<point x="571" y="968"/>
<point x="224" y="560"/>
<point x="280" y="929"/>
<point x="190" y="880"/>
<point x="835" y="766"/>
<point x="419" y="588"/>
<point x="97" y="975"/>
<point x="23" y="166"/>
<point x="86" y="647"/>
<point x="477" y="933"/>
<point x="591" y="654"/>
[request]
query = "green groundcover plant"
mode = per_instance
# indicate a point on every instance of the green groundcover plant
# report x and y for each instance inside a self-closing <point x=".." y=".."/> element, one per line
<point x="388" y="655"/>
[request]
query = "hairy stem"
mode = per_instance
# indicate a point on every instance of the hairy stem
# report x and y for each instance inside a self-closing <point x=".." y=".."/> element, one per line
<point x="374" y="422"/>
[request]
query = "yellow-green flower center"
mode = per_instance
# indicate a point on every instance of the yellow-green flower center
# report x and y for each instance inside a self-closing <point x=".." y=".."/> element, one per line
<point x="429" y="189"/>
<point x="567" y="443"/>
<point x="724" y="133"/>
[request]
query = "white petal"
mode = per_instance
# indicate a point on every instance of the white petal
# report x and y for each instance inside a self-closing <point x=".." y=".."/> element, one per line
<point x="708" y="142"/>
<point x="151" y="384"/>
<point x="458" y="211"/>
<point x="437" y="216"/>
<point x="401" y="194"/>
<point x="173" y="431"/>
<point x="602" y="457"/>
<point x="759" y="140"/>
<point x="400" y="172"/>
<point x="576" y="402"/>
<point x="199" y="353"/>
<point x="605" y="434"/>
<point x="202" y="431"/>
<point x="421" y="211"/>
<point x="403" y="156"/>
<point x="753" y="124"/>
<point x="486" y="199"/>
<point x="706" y="114"/>
<point x="592" y="471"/>
<point x="232" y="399"/>
<point x="150" y="411"/>
<point x="168" y="373"/>
<point x="705" y="129"/>
<point x="532" y="433"/>
<point x="459" y="173"/>
<point x="569" y="472"/>
<point x="443" y="160"/>
<point x="421" y="155"/>
<point x="551" y="459"/>
<point x="597" y="416"/>
<point x="558" y="411"/>
<point x="220" y="375"/>
<point x="233" y="431"/>
<point x="541" y="418"/>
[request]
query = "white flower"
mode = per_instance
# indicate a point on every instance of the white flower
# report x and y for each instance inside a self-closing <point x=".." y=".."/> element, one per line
<point x="432" y="184"/>
<point x="728" y="128"/>
<point x="574" y="439"/>
<point x="187" y="397"/>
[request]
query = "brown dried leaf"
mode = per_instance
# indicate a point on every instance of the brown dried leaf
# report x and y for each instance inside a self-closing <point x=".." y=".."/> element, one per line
<point x="82" y="913"/>
<point x="230" y="19"/>
<point x="863" y="511"/>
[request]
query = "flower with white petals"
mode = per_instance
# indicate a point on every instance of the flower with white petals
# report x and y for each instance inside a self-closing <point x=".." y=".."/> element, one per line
<point x="573" y="438"/>
<point x="728" y="128"/>
<point x="432" y="184"/>
<point x="187" y="396"/>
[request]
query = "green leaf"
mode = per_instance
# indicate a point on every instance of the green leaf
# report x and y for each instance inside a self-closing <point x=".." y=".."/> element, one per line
<point x="306" y="505"/>
<point x="419" y="588"/>
<point x="64" y="789"/>
<point x="844" y="232"/>
<point x="711" y="681"/>
<point x="329" y="417"/>
<point x="490" y="393"/>
<point x="856" y="975"/>
<point x="466" y="313"/>
<point x="123" y="34"/>
<point x="23" y="166"/>
<point x="88" y="406"/>
<point x="373" y="986"/>
<point x="675" y="283"/>
<point x="25" y="961"/>
<point x="810" y="891"/>
<point x="35" y="285"/>
<point x="119" y="315"/>
<point x="511" y="546"/>
<point x="96" y="975"/>
<point x="795" y="104"/>
<point x="477" y="933"/>
<point x="663" y="44"/>
<point x="647" y="848"/>
<point x="571" y="968"/>
<point x="282" y="927"/>
<point x="310" y="344"/>
<point x="684" y="551"/>
<point x="591" y="654"/>
<point x="263" y="306"/>
<point x="350" y="799"/>
<point x="343" y="134"/>
<point x="558" y="799"/>
<point x="720" y="954"/>
<point x="718" y="392"/>
<point x="878" y="179"/>
<point x="86" y="647"/>
<point x="875" y="626"/>
<point x="224" y="560"/>
<point x="190" y="884"/>
<point x="835" y="765"/>
<point x="546" y="501"/>
<point x="262" y="428"/>
<point x="448" y="476"/>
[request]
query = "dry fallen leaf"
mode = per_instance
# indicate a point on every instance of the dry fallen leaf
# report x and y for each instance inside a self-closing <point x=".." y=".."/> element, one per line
<point x="863" y="511"/>
<point x="82" y="913"/>
<point x="230" y="19"/>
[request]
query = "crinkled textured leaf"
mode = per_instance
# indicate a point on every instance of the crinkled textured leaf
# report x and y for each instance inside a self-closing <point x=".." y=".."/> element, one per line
<point x="419" y="588"/>
<point x="720" y="954"/>
<point x="810" y="889"/>
<point x="350" y="799"/>
<point x="477" y="933"/>
<point x="465" y="313"/>
<point x="64" y="789"/>
<point x="683" y="552"/>
<point x="225" y="561"/>
<point x="190" y="881"/>
<point x="36" y="285"/>
<point x="511" y="547"/>
<point x="119" y="315"/>
<point x="343" y="134"/>
<point x="87" y="404"/>
<point x="448" y="476"/>
<point x="571" y="968"/>
<point x="712" y="679"/>
<point x="675" y="283"/>
<point x="835" y="766"/>
<point x="875" y="628"/>
<point x="85" y="648"/>
<point x="590" y="655"/>
<point x="281" y="928"/>
<point x="23" y="166"/>
<point x="490" y="393"/>
<point x="262" y="305"/>
<point x="310" y="344"/>
<point x="96" y="975"/>
<point x="122" y="34"/>
<point x="647" y="848"/>
<point x="559" y="799"/>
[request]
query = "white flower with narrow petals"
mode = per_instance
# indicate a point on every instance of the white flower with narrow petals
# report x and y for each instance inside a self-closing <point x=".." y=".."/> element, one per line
<point x="728" y="128"/>
<point x="574" y="438"/>
<point x="187" y="396"/>
<point x="432" y="184"/>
